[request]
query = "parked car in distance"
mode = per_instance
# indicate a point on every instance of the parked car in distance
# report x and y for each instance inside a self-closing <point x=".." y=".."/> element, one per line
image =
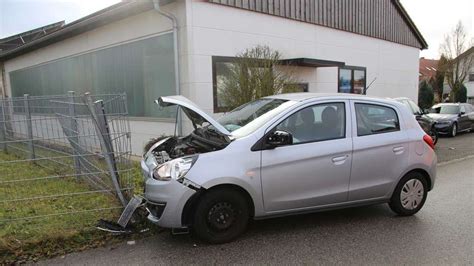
<point x="286" y="154"/>
<point x="452" y="118"/>
<point x="427" y="123"/>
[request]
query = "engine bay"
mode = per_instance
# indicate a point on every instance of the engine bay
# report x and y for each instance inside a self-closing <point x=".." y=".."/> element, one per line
<point x="168" y="148"/>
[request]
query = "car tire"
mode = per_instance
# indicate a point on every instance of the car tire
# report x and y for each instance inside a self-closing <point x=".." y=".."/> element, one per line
<point x="454" y="130"/>
<point x="221" y="215"/>
<point x="409" y="195"/>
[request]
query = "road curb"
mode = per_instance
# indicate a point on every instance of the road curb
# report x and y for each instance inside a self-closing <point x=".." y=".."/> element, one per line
<point x="456" y="160"/>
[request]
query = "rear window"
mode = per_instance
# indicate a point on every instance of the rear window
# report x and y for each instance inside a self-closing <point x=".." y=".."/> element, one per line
<point x="375" y="119"/>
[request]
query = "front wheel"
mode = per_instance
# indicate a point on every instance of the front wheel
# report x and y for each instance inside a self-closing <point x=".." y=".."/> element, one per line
<point x="221" y="215"/>
<point x="454" y="130"/>
<point x="409" y="195"/>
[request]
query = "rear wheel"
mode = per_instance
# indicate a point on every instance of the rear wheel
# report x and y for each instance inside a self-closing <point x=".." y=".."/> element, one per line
<point x="221" y="215"/>
<point x="409" y="195"/>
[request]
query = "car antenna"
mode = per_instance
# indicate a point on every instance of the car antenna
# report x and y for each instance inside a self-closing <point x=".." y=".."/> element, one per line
<point x="366" y="88"/>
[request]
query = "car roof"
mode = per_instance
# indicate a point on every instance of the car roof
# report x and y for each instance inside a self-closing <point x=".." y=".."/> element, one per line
<point x="402" y="98"/>
<point x="304" y="96"/>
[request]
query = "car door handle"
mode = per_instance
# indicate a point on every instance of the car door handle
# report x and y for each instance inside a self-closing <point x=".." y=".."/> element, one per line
<point x="398" y="150"/>
<point x="339" y="159"/>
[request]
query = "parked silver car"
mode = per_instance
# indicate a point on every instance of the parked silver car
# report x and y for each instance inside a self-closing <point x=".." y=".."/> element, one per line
<point x="286" y="154"/>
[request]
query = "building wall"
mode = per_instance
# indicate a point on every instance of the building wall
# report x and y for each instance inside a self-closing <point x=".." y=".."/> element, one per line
<point x="131" y="29"/>
<point x="208" y="30"/>
<point x="470" y="84"/>
<point x="225" y="31"/>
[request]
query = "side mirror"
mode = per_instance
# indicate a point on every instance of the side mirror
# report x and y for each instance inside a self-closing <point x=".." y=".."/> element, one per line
<point x="461" y="114"/>
<point x="279" y="138"/>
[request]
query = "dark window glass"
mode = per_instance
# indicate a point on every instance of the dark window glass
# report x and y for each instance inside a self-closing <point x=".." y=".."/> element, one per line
<point x="300" y="87"/>
<point x="316" y="123"/>
<point x="471" y="77"/>
<point x="375" y="119"/>
<point x="345" y="80"/>
<point x="352" y="80"/>
<point x="445" y="109"/>
<point x="222" y="69"/>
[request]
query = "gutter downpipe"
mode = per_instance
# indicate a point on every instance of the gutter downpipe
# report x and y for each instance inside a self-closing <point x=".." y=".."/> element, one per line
<point x="174" y="21"/>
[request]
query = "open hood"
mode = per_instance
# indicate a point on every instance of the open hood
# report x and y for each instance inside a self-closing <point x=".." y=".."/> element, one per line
<point x="196" y="115"/>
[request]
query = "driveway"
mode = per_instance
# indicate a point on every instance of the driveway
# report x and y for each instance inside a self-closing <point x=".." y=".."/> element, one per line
<point x="441" y="233"/>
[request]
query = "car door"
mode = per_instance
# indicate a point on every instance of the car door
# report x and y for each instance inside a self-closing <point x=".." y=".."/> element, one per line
<point x="380" y="150"/>
<point x="315" y="169"/>
<point x="464" y="121"/>
<point x="470" y="115"/>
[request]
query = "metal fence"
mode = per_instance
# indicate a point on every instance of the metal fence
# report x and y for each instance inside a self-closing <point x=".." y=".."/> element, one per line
<point x="62" y="155"/>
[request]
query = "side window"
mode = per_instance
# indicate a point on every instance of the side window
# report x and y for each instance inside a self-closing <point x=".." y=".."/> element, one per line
<point x="463" y="109"/>
<point x="316" y="123"/>
<point x="375" y="119"/>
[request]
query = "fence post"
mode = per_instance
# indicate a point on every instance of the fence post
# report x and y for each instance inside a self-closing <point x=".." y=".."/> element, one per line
<point x="74" y="131"/>
<point x="29" y="127"/>
<point x="3" y="127"/>
<point x="97" y="111"/>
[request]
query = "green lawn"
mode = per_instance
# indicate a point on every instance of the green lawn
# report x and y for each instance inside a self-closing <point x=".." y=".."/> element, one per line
<point x="50" y="234"/>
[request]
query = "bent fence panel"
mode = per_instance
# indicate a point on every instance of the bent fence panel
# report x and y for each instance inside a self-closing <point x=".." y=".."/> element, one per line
<point x="63" y="156"/>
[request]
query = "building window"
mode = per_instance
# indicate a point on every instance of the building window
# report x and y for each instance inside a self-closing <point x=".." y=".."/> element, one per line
<point x="471" y="77"/>
<point x="352" y="79"/>
<point x="300" y="87"/>
<point x="221" y="68"/>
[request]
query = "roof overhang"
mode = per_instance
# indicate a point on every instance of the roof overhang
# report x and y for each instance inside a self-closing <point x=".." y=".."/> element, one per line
<point x="409" y="21"/>
<point x="310" y="62"/>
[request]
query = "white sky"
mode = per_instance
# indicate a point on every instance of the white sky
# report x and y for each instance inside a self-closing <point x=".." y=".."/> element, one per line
<point x="434" y="18"/>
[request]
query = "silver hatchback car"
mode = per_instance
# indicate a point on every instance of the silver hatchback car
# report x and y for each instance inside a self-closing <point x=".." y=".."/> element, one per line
<point x="286" y="154"/>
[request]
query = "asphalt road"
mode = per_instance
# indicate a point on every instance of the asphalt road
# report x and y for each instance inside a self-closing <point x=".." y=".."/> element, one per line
<point x="460" y="146"/>
<point x="441" y="233"/>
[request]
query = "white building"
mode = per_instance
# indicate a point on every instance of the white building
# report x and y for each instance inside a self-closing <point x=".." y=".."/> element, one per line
<point x="335" y="45"/>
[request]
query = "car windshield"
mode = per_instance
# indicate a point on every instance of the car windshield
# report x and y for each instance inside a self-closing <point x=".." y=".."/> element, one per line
<point x="445" y="109"/>
<point x="246" y="118"/>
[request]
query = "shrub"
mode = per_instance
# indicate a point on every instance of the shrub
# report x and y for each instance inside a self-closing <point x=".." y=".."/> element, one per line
<point x="460" y="94"/>
<point x="425" y="95"/>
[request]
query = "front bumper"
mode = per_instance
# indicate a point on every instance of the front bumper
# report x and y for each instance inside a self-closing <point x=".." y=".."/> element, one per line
<point x="444" y="128"/>
<point x="165" y="200"/>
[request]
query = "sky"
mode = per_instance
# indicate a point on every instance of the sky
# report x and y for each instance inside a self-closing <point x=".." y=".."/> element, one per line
<point x="434" y="18"/>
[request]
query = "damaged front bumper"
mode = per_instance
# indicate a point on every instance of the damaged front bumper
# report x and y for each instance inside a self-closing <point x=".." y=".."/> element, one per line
<point x="165" y="200"/>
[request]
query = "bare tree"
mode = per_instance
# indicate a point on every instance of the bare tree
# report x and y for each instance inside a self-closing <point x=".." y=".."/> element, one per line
<point x="256" y="73"/>
<point x="457" y="65"/>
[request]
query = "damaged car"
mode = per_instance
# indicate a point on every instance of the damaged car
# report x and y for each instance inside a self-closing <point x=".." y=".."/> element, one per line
<point x="282" y="155"/>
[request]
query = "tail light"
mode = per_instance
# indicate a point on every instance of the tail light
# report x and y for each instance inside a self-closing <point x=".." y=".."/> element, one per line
<point x="429" y="141"/>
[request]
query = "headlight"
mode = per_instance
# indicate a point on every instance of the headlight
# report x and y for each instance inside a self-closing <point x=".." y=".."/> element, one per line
<point x="443" y="122"/>
<point x="175" y="169"/>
